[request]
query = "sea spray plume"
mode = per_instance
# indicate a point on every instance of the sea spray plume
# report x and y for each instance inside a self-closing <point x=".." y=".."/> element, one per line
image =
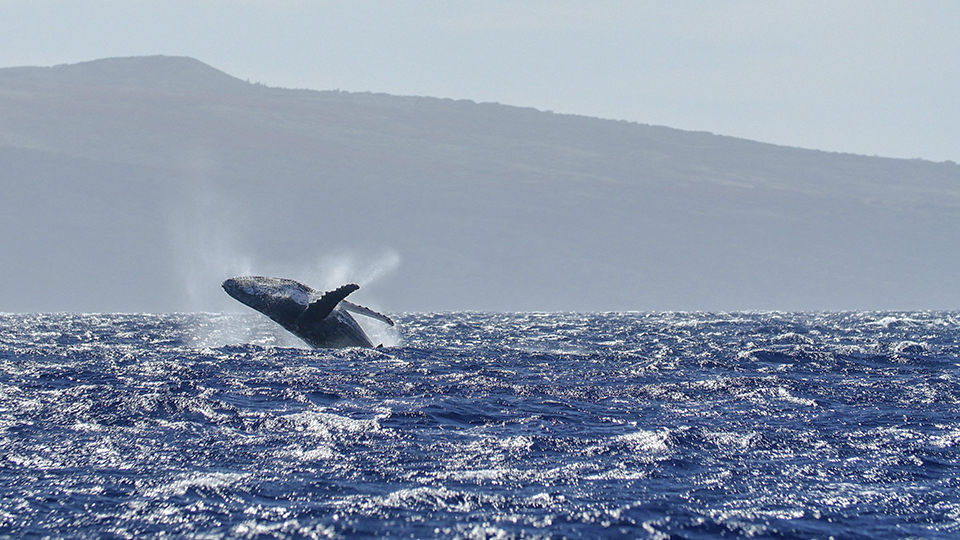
<point x="319" y="319"/>
<point x="332" y="270"/>
<point x="206" y="235"/>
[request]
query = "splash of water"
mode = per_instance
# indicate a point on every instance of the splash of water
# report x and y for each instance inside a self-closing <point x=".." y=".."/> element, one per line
<point x="331" y="271"/>
<point x="206" y="233"/>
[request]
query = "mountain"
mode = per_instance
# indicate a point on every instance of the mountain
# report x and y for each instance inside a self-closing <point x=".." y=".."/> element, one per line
<point x="138" y="184"/>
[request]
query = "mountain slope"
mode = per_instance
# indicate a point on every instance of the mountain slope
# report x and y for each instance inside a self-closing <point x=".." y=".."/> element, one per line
<point x="137" y="184"/>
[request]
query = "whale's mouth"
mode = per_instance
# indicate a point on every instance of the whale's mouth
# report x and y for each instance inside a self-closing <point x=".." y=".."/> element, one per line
<point x="245" y="291"/>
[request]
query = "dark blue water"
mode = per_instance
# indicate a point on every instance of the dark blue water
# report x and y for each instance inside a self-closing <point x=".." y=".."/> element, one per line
<point x="483" y="426"/>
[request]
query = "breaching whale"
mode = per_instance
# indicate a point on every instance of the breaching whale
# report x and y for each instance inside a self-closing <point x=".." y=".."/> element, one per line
<point x="319" y="319"/>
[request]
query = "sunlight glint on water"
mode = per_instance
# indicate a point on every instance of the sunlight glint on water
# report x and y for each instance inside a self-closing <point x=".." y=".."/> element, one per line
<point x="483" y="425"/>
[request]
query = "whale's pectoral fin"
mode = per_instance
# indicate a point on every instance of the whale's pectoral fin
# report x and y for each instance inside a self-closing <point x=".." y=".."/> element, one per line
<point x="360" y="310"/>
<point x="319" y="310"/>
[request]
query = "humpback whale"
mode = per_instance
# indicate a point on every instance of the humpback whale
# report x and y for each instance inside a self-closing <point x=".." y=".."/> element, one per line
<point x="320" y="319"/>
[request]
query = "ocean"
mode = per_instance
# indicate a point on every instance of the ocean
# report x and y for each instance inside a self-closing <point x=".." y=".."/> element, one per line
<point x="483" y="425"/>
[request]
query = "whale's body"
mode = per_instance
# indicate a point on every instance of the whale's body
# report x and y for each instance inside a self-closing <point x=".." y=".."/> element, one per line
<point x="320" y="319"/>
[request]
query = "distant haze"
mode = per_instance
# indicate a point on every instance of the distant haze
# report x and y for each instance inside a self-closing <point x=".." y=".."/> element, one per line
<point x="138" y="184"/>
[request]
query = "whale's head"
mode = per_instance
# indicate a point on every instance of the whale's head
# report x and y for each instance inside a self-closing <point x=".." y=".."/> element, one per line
<point x="280" y="299"/>
<point x="245" y="290"/>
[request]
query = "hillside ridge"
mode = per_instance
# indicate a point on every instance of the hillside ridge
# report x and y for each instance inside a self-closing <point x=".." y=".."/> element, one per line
<point x="474" y="205"/>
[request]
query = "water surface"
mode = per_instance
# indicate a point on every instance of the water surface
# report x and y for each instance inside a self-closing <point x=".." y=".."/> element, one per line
<point x="762" y="425"/>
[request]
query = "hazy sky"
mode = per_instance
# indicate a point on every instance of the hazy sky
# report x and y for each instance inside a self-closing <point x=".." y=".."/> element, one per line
<point x="871" y="77"/>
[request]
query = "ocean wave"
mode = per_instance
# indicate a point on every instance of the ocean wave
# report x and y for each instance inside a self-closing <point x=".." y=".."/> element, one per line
<point x="528" y="425"/>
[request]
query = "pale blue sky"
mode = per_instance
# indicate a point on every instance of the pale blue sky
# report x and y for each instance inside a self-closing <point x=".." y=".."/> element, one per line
<point x="870" y="77"/>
